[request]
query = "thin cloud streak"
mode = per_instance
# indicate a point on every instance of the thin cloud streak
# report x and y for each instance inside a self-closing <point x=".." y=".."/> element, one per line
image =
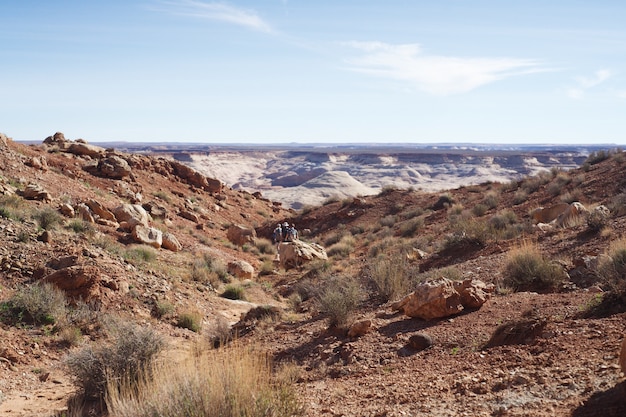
<point x="436" y="75"/>
<point x="216" y="11"/>
<point x="585" y="83"/>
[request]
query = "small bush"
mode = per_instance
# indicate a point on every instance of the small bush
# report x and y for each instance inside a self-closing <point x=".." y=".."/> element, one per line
<point x="339" y="300"/>
<point x="527" y="270"/>
<point x="468" y="232"/>
<point x="234" y="292"/>
<point x="410" y="227"/>
<point x="332" y="199"/>
<point x="81" y="227"/>
<point x="391" y="276"/>
<point x="139" y="255"/>
<point x="618" y="204"/>
<point x="388" y="221"/>
<point x="491" y="200"/>
<point x="163" y="308"/>
<point x="342" y="248"/>
<point x="124" y="358"/>
<point x="520" y="196"/>
<point x="597" y="220"/>
<point x="266" y="268"/>
<point x="47" y="218"/>
<point x="191" y="320"/>
<point x="479" y="210"/>
<point x="265" y="246"/>
<point x="597" y="156"/>
<point x="41" y="303"/>
<point x="571" y="196"/>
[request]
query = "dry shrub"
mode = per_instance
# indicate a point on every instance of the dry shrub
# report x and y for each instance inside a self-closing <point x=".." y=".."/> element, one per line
<point x="410" y="227"/>
<point x="47" y="218"/>
<point x="234" y="292"/>
<point x="40" y="303"/>
<point x="125" y="357"/>
<point x="342" y="248"/>
<point x="468" y="232"/>
<point x="233" y="381"/>
<point x="527" y="270"/>
<point x="491" y="200"/>
<point x="391" y="275"/>
<point x="612" y="267"/>
<point x="265" y="246"/>
<point x="339" y="299"/>
<point x="190" y="319"/>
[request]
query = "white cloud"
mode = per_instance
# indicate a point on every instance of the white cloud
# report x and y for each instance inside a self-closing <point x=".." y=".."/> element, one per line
<point x="585" y="83"/>
<point x="216" y="11"/>
<point x="621" y="94"/>
<point x="599" y="77"/>
<point x="438" y="75"/>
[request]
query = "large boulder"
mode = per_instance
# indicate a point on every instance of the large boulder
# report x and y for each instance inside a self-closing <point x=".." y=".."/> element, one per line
<point x="3" y="140"/>
<point x="548" y="214"/>
<point x="241" y="269"/>
<point x="79" y="282"/>
<point x="572" y="215"/>
<point x="171" y="243"/>
<point x="148" y="236"/>
<point x="297" y="253"/>
<point x="36" y="192"/>
<point x="112" y="167"/>
<point x="193" y="177"/>
<point x="240" y="235"/>
<point x="130" y="215"/>
<point x="443" y="298"/>
<point x="98" y="209"/>
<point x="84" y="149"/>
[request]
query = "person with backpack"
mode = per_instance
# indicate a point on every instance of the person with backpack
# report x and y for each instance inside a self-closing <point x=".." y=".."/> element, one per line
<point x="277" y="235"/>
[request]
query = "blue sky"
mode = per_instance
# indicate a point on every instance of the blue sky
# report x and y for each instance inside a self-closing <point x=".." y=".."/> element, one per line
<point x="271" y="71"/>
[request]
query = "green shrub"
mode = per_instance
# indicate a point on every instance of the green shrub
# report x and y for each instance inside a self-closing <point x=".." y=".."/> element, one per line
<point x="47" y="218"/>
<point x="234" y="292"/>
<point x="163" y="308"/>
<point x="80" y="226"/>
<point x="40" y="303"/>
<point x="527" y="270"/>
<point x="266" y="268"/>
<point x="468" y="232"/>
<point x="612" y="268"/>
<point x="191" y="320"/>
<point x="597" y="156"/>
<point x="124" y="358"/>
<point x="339" y="300"/>
<point x="138" y="255"/>
<point x="520" y="196"/>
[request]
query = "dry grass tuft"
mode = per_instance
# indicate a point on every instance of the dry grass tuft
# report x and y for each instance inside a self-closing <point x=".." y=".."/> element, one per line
<point x="234" y="381"/>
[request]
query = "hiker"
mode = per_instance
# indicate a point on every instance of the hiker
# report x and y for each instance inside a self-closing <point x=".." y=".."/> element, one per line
<point x="277" y="235"/>
<point x="286" y="232"/>
<point x="294" y="232"/>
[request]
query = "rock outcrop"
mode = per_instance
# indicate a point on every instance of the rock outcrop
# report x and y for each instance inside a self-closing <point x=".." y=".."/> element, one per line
<point x="79" y="282"/>
<point x="148" y="236"/>
<point x="193" y="177"/>
<point x="170" y="242"/>
<point x="240" y="235"/>
<point x="297" y="253"/>
<point x="241" y="269"/>
<point x="130" y="215"/>
<point x="112" y="166"/>
<point x="443" y="298"/>
<point x="36" y="192"/>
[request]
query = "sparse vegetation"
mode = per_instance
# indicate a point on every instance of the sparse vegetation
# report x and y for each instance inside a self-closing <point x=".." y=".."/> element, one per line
<point x="47" y="218"/>
<point x="234" y="292"/>
<point x="410" y="227"/>
<point x="597" y="156"/>
<point x="139" y="255"/>
<point x="40" y="303"/>
<point x="527" y="270"/>
<point x="265" y="246"/>
<point x="238" y="381"/>
<point x="342" y="248"/>
<point x="391" y="275"/>
<point x="339" y="299"/>
<point x="123" y="359"/>
<point x="191" y="319"/>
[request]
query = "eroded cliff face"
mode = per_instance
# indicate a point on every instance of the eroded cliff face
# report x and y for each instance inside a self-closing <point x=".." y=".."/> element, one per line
<point x="299" y="178"/>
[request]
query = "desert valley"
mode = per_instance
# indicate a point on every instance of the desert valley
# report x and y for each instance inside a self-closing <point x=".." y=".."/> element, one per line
<point x="143" y="280"/>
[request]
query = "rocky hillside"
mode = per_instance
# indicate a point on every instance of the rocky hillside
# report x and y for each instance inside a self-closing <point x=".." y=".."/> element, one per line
<point x="145" y="240"/>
